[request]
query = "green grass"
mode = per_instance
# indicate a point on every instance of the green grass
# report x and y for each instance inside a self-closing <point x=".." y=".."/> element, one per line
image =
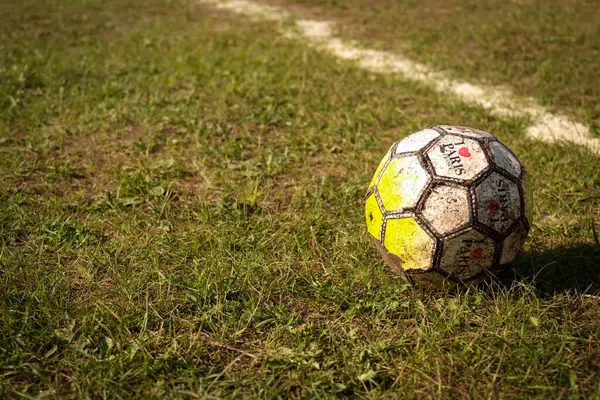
<point x="549" y="50"/>
<point x="181" y="216"/>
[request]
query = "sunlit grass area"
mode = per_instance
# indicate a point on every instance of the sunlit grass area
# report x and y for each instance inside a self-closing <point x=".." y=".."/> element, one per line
<point x="181" y="215"/>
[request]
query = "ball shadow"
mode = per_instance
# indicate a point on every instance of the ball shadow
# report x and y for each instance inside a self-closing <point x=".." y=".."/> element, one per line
<point x="574" y="268"/>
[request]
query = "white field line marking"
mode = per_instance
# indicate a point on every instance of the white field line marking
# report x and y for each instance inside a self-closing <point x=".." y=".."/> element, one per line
<point x="499" y="101"/>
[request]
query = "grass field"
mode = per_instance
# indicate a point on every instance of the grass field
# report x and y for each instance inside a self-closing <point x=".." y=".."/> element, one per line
<point x="181" y="215"/>
<point x="546" y="49"/>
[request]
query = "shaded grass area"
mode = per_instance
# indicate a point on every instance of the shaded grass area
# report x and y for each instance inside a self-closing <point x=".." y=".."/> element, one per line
<point x="545" y="49"/>
<point x="181" y="216"/>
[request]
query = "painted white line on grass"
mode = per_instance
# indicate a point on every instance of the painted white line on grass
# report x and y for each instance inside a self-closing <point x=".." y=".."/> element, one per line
<point x="500" y="101"/>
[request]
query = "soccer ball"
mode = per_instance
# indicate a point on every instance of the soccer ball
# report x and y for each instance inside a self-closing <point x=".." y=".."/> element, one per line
<point x="448" y="205"/>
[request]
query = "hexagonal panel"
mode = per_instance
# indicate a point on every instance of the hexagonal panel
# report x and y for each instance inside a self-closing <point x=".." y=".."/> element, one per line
<point x="505" y="159"/>
<point x="416" y="141"/>
<point x="380" y="167"/>
<point x="446" y="208"/>
<point x="431" y="280"/>
<point x="513" y="244"/>
<point x="457" y="157"/>
<point x="404" y="238"/>
<point x="401" y="183"/>
<point x="498" y="202"/>
<point x="374" y="216"/>
<point x="466" y="131"/>
<point x="467" y="254"/>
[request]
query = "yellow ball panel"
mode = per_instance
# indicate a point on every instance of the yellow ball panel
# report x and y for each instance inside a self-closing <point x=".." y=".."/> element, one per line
<point x="401" y="183"/>
<point x="374" y="216"/>
<point x="407" y="240"/>
<point x="380" y="168"/>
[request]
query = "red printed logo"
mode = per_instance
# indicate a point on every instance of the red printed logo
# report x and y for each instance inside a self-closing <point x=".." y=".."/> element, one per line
<point x="494" y="207"/>
<point x="464" y="152"/>
<point x="477" y="253"/>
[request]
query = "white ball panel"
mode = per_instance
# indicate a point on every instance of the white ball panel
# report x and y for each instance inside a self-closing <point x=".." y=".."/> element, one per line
<point x="512" y="245"/>
<point x="498" y="202"/>
<point x="467" y="254"/>
<point x="466" y="131"/>
<point x="416" y="141"/>
<point x="505" y="159"/>
<point x="446" y="208"/>
<point x="457" y="157"/>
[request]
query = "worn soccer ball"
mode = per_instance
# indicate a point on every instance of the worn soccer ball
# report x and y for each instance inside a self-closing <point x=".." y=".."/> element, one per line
<point x="448" y="205"/>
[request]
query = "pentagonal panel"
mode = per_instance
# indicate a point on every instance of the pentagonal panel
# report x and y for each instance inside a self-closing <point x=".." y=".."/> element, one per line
<point x="374" y="216"/>
<point x="498" y="202"/>
<point x="380" y="167"/>
<point x="401" y="183"/>
<point x="446" y="208"/>
<point x="467" y="131"/>
<point x="416" y="141"/>
<point x="431" y="280"/>
<point x="457" y="157"/>
<point x="505" y="159"/>
<point x="404" y="238"/>
<point x="467" y="254"/>
<point x="512" y="245"/>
